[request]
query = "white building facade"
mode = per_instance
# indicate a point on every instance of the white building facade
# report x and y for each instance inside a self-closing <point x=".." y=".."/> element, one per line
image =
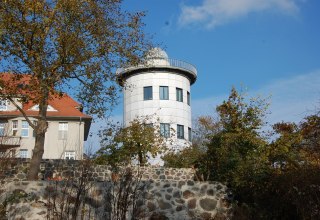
<point x="160" y="87"/>
<point x="68" y="126"/>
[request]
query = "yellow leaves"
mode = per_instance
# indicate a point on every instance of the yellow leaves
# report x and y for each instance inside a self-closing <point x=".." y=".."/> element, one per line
<point x="34" y="6"/>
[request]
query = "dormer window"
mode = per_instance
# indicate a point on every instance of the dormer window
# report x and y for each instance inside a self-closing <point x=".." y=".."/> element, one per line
<point x="4" y="105"/>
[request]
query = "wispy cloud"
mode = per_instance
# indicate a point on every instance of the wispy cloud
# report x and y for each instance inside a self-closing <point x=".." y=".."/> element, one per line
<point x="291" y="98"/>
<point x="212" y="13"/>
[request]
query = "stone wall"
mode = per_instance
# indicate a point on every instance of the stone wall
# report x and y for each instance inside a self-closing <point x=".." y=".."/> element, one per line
<point x="18" y="169"/>
<point x="159" y="193"/>
<point x="178" y="200"/>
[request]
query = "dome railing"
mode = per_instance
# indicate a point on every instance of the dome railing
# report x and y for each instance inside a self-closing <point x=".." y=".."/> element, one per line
<point x="162" y="62"/>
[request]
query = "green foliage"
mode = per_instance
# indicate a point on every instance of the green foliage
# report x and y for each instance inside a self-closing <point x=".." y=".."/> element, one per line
<point x="65" y="46"/>
<point x="186" y="157"/>
<point x="275" y="180"/>
<point x="194" y="156"/>
<point x="139" y="141"/>
<point x="237" y="144"/>
<point x="237" y="114"/>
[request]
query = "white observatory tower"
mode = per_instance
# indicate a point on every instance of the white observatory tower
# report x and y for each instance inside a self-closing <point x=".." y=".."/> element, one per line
<point x="162" y="87"/>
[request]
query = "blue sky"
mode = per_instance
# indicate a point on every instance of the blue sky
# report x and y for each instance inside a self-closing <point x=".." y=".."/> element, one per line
<point x="270" y="47"/>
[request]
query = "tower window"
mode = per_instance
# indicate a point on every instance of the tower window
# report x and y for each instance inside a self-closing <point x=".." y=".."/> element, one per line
<point x="164" y="92"/>
<point x="180" y="131"/>
<point x="165" y="130"/>
<point x="188" y="98"/>
<point x="189" y="134"/>
<point x="147" y="93"/>
<point x="179" y="95"/>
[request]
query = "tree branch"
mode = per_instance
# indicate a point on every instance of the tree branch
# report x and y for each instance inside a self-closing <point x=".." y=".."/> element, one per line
<point x="22" y="112"/>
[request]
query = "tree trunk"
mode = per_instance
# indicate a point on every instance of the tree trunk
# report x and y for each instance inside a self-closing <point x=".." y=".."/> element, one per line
<point x="40" y="130"/>
<point x="140" y="155"/>
<point x="140" y="158"/>
<point x="38" y="150"/>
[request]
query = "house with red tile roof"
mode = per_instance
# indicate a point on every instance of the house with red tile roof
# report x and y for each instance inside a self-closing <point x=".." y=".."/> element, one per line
<point x="68" y="126"/>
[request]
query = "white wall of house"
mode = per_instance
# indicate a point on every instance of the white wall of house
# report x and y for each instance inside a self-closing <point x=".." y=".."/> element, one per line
<point x="56" y="145"/>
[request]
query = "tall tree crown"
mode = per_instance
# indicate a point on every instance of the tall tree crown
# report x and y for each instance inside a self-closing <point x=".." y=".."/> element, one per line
<point x="70" y="44"/>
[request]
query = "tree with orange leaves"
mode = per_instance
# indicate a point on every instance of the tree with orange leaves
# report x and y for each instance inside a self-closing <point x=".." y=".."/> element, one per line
<point x="66" y="44"/>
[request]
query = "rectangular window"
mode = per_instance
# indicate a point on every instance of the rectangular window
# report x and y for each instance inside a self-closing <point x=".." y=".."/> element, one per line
<point x="188" y="98"/>
<point x="189" y="134"/>
<point x="180" y="131"/>
<point x="63" y="130"/>
<point x="149" y="125"/>
<point x="165" y="130"/>
<point x="164" y="92"/>
<point x="25" y="129"/>
<point x="70" y="155"/>
<point x="23" y="153"/>
<point x="3" y="154"/>
<point x="2" y="127"/>
<point x="179" y="95"/>
<point x="14" y="127"/>
<point x="147" y="93"/>
<point x="4" y="105"/>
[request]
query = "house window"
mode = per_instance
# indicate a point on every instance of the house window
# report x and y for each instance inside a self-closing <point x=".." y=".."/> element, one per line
<point x="189" y="134"/>
<point x="2" y="127"/>
<point x="147" y="93"/>
<point x="63" y="130"/>
<point x="4" y="105"/>
<point x="179" y="95"/>
<point x="3" y="154"/>
<point x="164" y="92"/>
<point x="70" y="155"/>
<point x="25" y="129"/>
<point x="23" y="153"/>
<point x="188" y="98"/>
<point x="14" y="127"/>
<point x="180" y="131"/>
<point x="165" y="130"/>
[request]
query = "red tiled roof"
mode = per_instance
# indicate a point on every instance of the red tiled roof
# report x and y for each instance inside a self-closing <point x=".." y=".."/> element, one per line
<point x="65" y="106"/>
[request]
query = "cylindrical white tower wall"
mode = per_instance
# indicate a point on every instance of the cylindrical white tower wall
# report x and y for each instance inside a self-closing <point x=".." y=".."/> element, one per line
<point x="159" y="70"/>
<point x="168" y="111"/>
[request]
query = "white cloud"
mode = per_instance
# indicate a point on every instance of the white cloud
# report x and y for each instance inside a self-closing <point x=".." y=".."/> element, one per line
<point x="212" y="13"/>
<point x="291" y="98"/>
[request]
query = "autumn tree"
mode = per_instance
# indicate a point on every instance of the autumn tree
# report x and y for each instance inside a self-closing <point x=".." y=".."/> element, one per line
<point x="238" y="142"/>
<point x="291" y="189"/>
<point x="139" y="141"/>
<point x="195" y="155"/>
<point x="66" y="45"/>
